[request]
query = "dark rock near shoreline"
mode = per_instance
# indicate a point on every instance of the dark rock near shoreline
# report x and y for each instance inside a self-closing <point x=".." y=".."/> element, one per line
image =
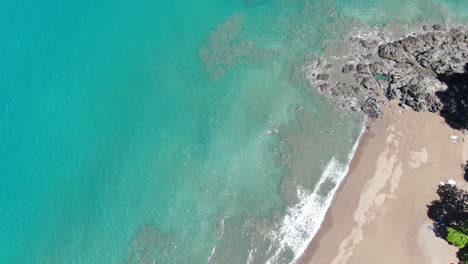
<point x="369" y="44"/>
<point x="371" y="108"/>
<point x="378" y="68"/>
<point x="415" y="93"/>
<point x="370" y="83"/>
<point x="322" y="76"/>
<point x="438" y="27"/>
<point x="362" y="68"/>
<point x="423" y="71"/>
<point x="324" y="87"/>
<point x="347" y="68"/>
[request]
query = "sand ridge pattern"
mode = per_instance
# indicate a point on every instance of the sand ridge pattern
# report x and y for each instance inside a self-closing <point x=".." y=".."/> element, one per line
<point x="379" y="214"/>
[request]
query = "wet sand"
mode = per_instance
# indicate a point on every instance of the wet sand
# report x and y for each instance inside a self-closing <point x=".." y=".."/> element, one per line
<point x="379" y="212"/>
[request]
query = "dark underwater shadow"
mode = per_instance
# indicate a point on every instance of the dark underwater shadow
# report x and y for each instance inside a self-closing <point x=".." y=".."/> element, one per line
<point x="455" y="99"/>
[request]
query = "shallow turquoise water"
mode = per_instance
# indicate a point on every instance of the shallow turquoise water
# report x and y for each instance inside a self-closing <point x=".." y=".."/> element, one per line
<point x="172" y="131"/>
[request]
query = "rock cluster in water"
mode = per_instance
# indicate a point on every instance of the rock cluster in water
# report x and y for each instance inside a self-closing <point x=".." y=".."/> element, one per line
<point x="405" y="69"/>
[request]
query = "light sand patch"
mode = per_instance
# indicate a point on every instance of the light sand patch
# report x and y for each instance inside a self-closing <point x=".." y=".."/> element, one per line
<point x="418" y="157"/>
<point x="390" y="138"/>
<point x="393" y="139"/>
<point x="380" y="212"/>
<point x="395" y="180"/>
<point x="373" y="196"/>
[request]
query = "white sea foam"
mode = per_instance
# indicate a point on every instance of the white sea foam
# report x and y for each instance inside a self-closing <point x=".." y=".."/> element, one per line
<point x="250" y="259"/>
<point x="211" y="254"/>
<point x="302" y="221"/>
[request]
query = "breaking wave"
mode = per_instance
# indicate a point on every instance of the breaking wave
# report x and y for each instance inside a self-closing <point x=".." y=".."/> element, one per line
<point x="302" y="221"/>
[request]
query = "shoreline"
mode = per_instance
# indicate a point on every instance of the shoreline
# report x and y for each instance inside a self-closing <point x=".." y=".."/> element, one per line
<point x="339" y="183"/>
<point x="328" y="221"/>
<point x="408" y="86"/>
<point x="371" y="179"/>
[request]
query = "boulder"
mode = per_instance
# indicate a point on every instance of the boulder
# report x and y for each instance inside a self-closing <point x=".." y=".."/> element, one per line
<point x="438" y="27"/>
<point x="378" y="68"/>
<point x="368" y="44"/>
<point x="371" y="108"/>
<point x="323" y="76"/>
<point x="393" y="51"/>
<point x="362" y="68"/>
<point x="370" y="83"/>
<point x="324" y="88"/>
<point x="347" y="68"/>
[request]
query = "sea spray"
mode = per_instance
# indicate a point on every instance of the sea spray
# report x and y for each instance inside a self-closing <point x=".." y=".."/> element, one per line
<point x="302" y="221"/>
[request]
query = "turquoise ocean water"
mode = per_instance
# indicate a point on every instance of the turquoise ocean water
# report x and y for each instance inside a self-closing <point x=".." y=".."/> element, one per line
<point x="173" y="131"/>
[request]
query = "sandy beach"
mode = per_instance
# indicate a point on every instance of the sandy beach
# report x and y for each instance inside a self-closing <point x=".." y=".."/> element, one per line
<point x="379" y="213"/>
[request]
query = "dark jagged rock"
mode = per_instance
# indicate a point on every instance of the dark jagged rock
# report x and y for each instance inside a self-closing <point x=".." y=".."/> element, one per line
<point x="324" y="87"/>
<point x="393" y="51"/>
<point x="417" y="98"/>
<point x="368" y="56"/>
<point x="456" y="30"/>
<point x="417" y="92"/>
<point x="370" y="83"/>
<point x="438" y="27"/>
<point x="422" y="71"/>
<point x="362" y="68"/>
<point x="378" y="68"/>
<point x="368" y="44"/>
<point x="383" y="84"/>
<point x="356" y="89"/>
<point x="347" y="68"/>
<point x="335" y="91"/>
<point x="371" y="108"/>
<point x="323" y="76"/>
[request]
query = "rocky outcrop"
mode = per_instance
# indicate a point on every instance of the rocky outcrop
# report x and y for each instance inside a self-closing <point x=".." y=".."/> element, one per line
<point x="455" y="99"/>
<point x="372" y="108"/>
<point x="347" y="68"/>
<point x="406" y="70"/>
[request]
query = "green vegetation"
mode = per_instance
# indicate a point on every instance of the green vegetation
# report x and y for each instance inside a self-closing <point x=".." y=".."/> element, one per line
<point x="457" y="238"/>
<point x="450" y="217"/>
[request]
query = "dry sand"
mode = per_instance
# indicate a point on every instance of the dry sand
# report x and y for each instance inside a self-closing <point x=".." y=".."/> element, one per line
<point x="379" y="213"/>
